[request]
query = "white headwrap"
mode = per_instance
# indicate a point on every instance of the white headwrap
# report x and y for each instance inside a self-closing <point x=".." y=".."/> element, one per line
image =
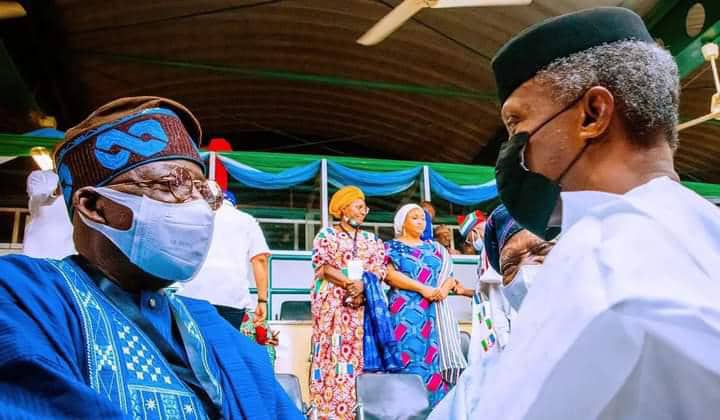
<point x="401" y="215"/>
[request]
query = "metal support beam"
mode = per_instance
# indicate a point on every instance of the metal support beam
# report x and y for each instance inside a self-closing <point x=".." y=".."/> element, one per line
<point x="667" y="22"/>
<point x="324" y="202"/>
<point x="211" y="170"/>
<point x="427" y="196"/>
<point x="16" y="229"/>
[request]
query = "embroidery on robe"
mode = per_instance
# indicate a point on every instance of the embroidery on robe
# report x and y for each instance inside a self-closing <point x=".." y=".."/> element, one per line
<point x="122" y="363"/>
<point x="191" y="335"/>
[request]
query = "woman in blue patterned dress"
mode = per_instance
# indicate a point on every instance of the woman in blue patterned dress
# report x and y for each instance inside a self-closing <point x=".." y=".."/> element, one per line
<point x="414" y="271"/>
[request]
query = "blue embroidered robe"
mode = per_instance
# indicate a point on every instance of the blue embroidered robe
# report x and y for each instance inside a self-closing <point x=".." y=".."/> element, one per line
<point x="66" y="352"/>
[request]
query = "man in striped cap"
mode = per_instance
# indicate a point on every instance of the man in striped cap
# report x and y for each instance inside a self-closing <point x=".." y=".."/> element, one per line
<point x="97" y="335"/>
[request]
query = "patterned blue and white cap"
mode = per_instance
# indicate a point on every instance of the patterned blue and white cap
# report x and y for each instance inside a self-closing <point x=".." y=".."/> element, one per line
<point x="122" y="135"/>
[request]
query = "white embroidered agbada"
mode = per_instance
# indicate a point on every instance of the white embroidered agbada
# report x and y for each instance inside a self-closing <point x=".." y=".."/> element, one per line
<point x="623" y="321"/>
<point x="489" y="303"/>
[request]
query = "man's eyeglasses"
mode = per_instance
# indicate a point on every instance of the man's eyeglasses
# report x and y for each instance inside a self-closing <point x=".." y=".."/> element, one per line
<point x="181" y="184"/>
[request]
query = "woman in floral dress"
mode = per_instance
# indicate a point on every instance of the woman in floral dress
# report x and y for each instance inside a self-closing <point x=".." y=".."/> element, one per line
<point x="340" y="254"/>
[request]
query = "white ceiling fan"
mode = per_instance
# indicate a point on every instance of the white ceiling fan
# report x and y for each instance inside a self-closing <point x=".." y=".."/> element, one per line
<point x="11" y="9"/>
<point x="408" y="8"/>
<point x="710" y="52"/>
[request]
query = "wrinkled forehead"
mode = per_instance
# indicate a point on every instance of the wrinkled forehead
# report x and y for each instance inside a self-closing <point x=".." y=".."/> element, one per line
<point x="527" y="100"/>
<point x="519" y="244"/>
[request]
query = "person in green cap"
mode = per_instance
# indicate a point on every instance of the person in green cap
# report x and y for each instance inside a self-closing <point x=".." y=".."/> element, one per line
<point x="627" y="315"/>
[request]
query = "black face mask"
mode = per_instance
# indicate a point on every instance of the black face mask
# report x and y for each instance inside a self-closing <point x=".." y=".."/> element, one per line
<point x="530" y="197"/>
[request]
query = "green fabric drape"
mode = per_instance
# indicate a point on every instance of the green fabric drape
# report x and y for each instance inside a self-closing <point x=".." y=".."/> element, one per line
<point x="705" y="190"/>
<point x="19" y="145"/>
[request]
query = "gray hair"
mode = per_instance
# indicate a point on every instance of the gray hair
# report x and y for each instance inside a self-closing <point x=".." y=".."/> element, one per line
<point x="642" y="77"/>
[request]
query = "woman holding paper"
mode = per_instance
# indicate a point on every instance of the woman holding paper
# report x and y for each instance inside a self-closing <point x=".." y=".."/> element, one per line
<point x="341" y="254"/>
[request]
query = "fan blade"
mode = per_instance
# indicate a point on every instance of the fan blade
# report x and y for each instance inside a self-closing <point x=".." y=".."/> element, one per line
<point x="479" y="3"/>
<point x="699" y="120"/>
<point x="11" y="9"/>
<point x="390" y="22"/>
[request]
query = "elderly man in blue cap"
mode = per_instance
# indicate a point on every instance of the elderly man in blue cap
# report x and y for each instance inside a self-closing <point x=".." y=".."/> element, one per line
<point x="625" y="311"/>
<point x="517" y="254"/>
<point x="514" y="255"/>
<point x="97" y="335"/>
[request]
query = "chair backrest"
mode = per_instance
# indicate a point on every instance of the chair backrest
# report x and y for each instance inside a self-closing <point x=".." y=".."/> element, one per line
<point x="465" y="343"/>
<point x="291" y="385"/>
<point x="399" y="396"/>
<point x="295" y="310"/>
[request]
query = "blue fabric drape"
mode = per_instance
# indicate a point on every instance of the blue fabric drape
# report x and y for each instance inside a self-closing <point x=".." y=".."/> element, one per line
<point x="428" y="233"/>
<point x="373" y="183"/>
<point x="46" y="132"/>
<point x="380" y="352"/>
<point x="253" y="178"/>
<point x="461" y="194"/>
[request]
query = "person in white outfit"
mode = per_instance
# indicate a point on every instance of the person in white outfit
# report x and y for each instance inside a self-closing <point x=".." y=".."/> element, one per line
<point x="49" y="233"/>
<point x="624" y="316"/>
<point x="237" y="251"/>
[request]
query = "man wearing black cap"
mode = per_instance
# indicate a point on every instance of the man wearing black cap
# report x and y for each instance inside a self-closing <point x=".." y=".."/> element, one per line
<point x="97" y="335"/>
<point x="627" y="311"/>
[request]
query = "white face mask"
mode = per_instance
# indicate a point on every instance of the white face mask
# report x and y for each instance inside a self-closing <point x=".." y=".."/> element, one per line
<point x="479" y="244"/>
<point x="168" y="241"/>
<point x="352" y="222"/>
<point x="516" y="291"/>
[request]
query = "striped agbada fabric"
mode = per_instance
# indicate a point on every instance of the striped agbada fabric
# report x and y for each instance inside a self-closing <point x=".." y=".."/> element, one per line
<point x="452" y="360"/>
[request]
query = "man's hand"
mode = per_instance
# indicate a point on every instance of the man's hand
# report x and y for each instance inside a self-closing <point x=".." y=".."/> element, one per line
<point x="274" y="340"/>
<point x="260" y="312"/>
<point x="461" y="290"/>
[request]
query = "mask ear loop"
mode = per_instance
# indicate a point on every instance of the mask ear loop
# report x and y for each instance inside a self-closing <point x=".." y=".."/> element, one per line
<point x="573" y="162"/>
<point x="522" y="156"/>
<point x="541" y="126"/>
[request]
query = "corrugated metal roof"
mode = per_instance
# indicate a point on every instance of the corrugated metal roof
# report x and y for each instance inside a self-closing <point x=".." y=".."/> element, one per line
<point x="293" y="68"/>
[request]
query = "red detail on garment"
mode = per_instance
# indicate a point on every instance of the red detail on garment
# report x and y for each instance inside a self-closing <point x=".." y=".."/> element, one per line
<point x="397" y="304"/>
<point x="426" y="329"/>
<point x="433" y="384"/>
<point x="221" y="175"/>
<point x="400" y="331"/>
<point x="405" y="358"/>
<point x="430" y="355"/>
<point x="261" y="335"/>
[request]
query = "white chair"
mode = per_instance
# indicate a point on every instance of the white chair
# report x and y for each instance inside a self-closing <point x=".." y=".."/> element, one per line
<point x="291" y="385"/>
<point x="397" y="396"/>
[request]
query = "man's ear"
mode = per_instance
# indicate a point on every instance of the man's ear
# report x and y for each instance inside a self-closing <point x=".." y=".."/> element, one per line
<point x="86" y="202"/>
<point x="598" y="107"/>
